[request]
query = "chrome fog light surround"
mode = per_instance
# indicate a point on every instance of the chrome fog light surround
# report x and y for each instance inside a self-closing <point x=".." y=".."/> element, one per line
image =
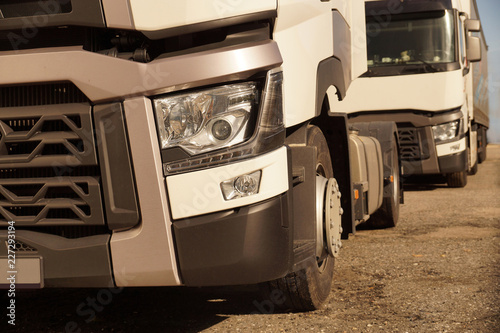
<point x="241" y="186"/>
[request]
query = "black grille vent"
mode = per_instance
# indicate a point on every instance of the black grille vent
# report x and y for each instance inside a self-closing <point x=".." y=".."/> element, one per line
<point x="40" y="94"/>
<point x="56" y="171"/>
<point x="409" y="144"/>
<point x="22" y="247"/>
<point x="23" y="124"/>
<point x="70" y="231"/>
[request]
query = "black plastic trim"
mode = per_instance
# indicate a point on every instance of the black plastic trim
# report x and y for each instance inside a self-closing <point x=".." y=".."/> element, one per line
<point x="410" y="69"/>
<point x="418" y="118"/>
<point x="174" y="154"/>
<point x="245" y="246"/>
<point x="86" y="13"/>
<point x="412" y="168"/>
<point x="453" y="163"/>
<point x="83" y="262"/>
<point x="118" y="182"/>
<point x="330" y="73"/>
<point x="391" y="7"/>
<point x="215" y="24"/>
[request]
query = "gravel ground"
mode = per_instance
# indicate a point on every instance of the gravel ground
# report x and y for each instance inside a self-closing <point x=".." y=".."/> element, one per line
<point x="437" y="271"/>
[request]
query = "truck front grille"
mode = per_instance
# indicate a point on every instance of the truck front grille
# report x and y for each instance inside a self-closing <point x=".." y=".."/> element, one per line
<point x="47" y="136"/>
<point x="51" y="201"/>
<point x="40" y="94"/>
<point x="49" y="174"/>
<point x="409" y="144"/>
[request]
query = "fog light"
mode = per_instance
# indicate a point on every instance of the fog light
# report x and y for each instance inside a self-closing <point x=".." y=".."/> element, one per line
<point x="242" y="186"/>
<point x="221" y="130"/>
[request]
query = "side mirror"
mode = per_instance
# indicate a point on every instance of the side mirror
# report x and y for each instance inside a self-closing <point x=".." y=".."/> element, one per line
<point x="473" y="49"/>
<point x="473" y="43"/>
<point x="473" y="25"/>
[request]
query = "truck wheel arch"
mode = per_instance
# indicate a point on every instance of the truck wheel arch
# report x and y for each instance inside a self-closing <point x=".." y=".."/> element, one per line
<point x="330" y="73"/>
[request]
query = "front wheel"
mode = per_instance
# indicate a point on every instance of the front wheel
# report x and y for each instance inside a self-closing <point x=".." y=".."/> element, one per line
<point x="481" y="144"/>
<point x="308" y="288"/>
<point x="457" y="179"/>
<point x="475" y="168"/>
<point x="388" y="214"/>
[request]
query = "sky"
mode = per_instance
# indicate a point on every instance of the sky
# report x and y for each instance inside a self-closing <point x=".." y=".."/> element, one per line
<point x="488" y="12"/>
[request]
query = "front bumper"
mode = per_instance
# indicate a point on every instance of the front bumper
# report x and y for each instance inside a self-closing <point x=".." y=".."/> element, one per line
<point x="453" y="163"/>
<point x="418" y="151"/>
<point x="245" y="246"/>
<point x="440" y="158"/>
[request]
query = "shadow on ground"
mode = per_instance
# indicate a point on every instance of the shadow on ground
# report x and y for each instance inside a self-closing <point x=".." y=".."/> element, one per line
<point x="132" y="309"/>
<point x="424" y="183"/>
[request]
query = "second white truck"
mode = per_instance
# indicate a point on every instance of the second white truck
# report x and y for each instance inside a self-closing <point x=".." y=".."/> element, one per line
<point x="427" y="71"/>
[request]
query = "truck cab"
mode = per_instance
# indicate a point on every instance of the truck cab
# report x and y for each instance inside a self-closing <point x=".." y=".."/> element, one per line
<point x="424" y="73"/>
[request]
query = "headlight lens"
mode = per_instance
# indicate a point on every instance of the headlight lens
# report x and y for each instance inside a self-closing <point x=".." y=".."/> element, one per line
<point x="268" y="134"/>
<point x="446" y="131"/>
<point x="206" y="120"/>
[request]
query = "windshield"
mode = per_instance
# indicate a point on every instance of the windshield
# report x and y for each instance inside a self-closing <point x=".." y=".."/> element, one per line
<point x="426" y="38"/>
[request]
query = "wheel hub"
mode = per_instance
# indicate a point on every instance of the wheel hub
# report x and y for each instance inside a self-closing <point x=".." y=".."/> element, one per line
<point x="328" y="217"/>
<point x="333" y="217"/>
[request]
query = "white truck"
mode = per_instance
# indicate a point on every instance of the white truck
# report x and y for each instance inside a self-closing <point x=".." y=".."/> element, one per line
<point x="167" y="143"/>
<point x="423" y="73"/>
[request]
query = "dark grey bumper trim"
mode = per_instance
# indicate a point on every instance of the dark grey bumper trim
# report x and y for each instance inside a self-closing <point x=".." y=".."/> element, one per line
<point x="118" y="181"/>
<point x="244" y="246"/>
<point x="82" y="262"/>
<point x="453" y="163"/>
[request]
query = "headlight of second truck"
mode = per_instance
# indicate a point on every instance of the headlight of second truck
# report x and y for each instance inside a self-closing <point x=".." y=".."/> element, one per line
<point x="445" y="132"/>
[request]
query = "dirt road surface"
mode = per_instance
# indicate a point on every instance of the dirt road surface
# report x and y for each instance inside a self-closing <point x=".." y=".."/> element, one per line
<point x="437" y="271"/>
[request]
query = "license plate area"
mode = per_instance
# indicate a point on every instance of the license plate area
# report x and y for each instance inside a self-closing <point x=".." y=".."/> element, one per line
<point x="23" y="272"/>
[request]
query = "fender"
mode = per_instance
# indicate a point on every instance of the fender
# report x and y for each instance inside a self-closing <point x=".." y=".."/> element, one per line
<point x="330" y="73"/>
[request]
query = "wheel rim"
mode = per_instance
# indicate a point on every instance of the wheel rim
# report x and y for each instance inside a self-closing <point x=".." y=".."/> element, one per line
<point x="328" y="218"/>
<point x="321" y="183"/>
<point x="333" y="217"/>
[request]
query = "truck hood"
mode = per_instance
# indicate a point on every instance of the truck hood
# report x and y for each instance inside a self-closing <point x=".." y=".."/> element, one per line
<point x="432" y="92"/>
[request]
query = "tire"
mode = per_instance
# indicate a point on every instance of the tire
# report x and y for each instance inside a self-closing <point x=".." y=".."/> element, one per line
<point x="475" y="168"/>
<point x="457" y="179"/>
<point x="308" y="288"/>
<point x="388" y="214"/>
<point x="481" y="156"/>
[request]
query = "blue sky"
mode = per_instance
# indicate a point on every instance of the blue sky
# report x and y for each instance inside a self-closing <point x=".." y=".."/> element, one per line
<point x="488" y="11"/>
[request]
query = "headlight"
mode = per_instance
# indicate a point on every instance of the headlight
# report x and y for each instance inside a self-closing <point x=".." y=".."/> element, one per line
<point x="446" y="131"/>
<point x="206" y="120"/>
<point x="225" y="126"/>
